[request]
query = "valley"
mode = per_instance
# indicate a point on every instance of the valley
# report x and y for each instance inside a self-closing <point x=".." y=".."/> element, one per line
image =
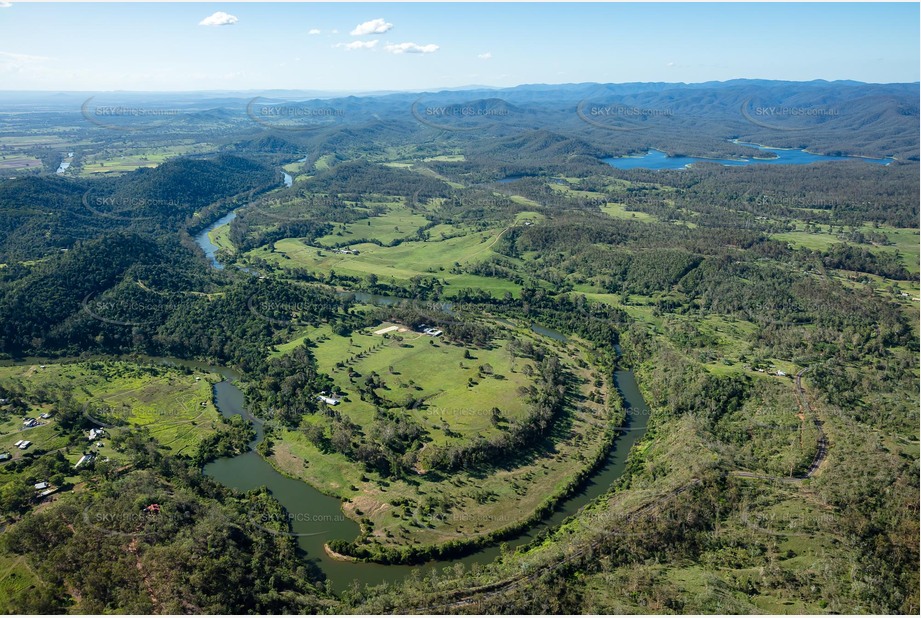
<point x="394" y="367"/>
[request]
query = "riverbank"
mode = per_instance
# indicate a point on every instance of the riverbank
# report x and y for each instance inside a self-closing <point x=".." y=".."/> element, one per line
<point x="618" y="439"/>
<point x="338" y="556"/>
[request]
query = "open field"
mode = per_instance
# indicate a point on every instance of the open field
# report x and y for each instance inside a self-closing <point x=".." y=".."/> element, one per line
<point x="457" y="396"/>
<point x="165" y="401"/>
<point x="400" y="263"/>
<point x="14" y="162"/>
<point x="398" y="222"/>
<point x="125" y="163"/>
<point x="15" y="576"/>
<point x="619" y="211"/>
<point x="904" y="240"/>
<point x="129" y="159"/>
<point x="220" y="237"/>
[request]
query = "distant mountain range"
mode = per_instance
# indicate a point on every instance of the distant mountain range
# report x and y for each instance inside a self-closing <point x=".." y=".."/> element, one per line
<point x="839" y="117"/>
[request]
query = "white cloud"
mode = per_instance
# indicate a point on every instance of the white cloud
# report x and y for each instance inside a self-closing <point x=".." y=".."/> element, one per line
<point x="5" y="5"/>
<point x="219" y="19"/>
<point x="375" y="26"/>
<point x="411" y="48"/>
<point x="334" y="31"/>
<point x="313" y="31"/>
<point x="485" y="56"/>
<point x="10" y="62"/>
<point x="357" y="45"/>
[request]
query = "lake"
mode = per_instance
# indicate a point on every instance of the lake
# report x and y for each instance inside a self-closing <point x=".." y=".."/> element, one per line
<point x="658" y="160"/>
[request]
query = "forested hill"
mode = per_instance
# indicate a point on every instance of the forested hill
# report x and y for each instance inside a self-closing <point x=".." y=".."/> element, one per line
<point x="45" y="213"/>
<point x="841" y="117"/>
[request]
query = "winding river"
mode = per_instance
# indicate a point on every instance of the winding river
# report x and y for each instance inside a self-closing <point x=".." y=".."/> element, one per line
<point x="316" y="518"/>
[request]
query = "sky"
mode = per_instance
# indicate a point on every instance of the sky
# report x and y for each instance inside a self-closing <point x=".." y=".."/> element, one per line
<point x="366" y="47"/>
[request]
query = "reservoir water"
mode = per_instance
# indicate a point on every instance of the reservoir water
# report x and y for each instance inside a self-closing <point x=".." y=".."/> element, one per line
<point x="658" y="160"/>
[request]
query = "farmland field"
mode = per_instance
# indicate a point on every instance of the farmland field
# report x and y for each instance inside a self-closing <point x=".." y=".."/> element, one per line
<point x="168" y="403"/>
<point x="455" y="394"/>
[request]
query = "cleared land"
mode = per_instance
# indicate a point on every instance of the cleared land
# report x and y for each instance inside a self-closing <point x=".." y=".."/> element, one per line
<point x="455" y="397"/>
<point x="400" y="263"/>
<point x="165" y="401"/>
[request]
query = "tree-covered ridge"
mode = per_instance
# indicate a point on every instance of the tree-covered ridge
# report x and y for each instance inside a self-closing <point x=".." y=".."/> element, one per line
<point x="768" y="314"/>
<point x="48" y="213"/>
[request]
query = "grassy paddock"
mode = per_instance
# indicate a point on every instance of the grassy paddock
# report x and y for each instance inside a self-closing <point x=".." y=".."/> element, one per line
<point x="433" y="508"/>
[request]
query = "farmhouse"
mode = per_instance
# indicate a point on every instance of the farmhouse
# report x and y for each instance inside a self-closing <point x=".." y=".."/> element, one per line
<point x="96" y="433"/>
<point x="23" y="444"/>
<point x="29" y="422"/>
<point x="330" y="401"/>
<point x="46" y="415"/>
<point x="42" y="485"/>
<point x="5" y="456"/>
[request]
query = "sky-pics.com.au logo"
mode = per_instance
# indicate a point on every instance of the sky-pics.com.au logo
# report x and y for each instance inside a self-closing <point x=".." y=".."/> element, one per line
<point x="124" y="208"/>
<point x="461" y="117"/>
<point x="150" y="520"/>
<point x="278" y="313"/>
<point x="469" y="201"/>
<point x="796" y="201"/>
<point x="119" y="116"/>
<point x="651" y="521"/>
<point x="621" y="117"/>
<point x="635" y="418"/>
<point x="777" y="524"/>
<point x="144" y="307"/>
<point x="787" y="117"/>
<point x="645" y="522"/>
<point x="104" y="415"/>
<point x="296" y="523"/>
<point x="293" y="116"/>
<point x="466" y="518"/>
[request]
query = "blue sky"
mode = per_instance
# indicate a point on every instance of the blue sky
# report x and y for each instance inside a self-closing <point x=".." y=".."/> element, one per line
<point x="133" y="46"/>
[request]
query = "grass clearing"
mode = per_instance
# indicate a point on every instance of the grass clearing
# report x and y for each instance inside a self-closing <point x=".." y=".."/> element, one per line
<point x="400" y="263"/>
<point x="619" y="211"/>
<point x="398" y="222"/>
<point x="429" y="508"/>
<point x="166" y="401"/>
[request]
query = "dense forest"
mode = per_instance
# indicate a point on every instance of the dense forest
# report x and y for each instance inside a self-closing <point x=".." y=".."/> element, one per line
<point x="767" y="313"/>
